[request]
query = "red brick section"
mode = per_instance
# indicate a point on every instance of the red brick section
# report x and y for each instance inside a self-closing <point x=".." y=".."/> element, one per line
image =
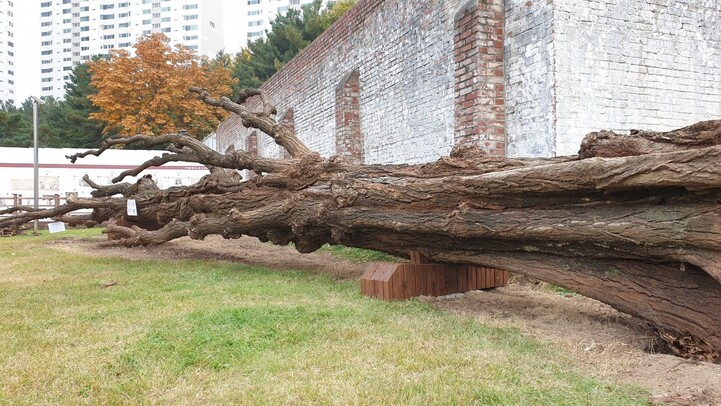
<point x="251" y="144"/>
<point x="348" y="140"/>
<point x="479" y="76"/>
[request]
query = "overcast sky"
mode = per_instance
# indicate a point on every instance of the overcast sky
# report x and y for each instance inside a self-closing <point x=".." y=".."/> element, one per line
<point x="27" y="43"/>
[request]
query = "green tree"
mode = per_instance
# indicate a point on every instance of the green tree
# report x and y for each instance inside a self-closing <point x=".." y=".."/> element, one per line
<point x="15" y="130"/>
<point x="289" y="34"/>
<point x="67" y="124"/>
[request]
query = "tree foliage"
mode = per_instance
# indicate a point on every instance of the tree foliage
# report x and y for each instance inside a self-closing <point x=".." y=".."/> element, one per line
<point x="15" y="129"/>
<point x="61" y="124"/>
<point x="148" y="93"/>
<point x="290" y="33"/>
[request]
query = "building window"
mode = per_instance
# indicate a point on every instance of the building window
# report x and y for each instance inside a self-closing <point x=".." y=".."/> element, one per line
<point x="255" y="23"/>
<point x="190" y="27"/>
<point x="190" y="17"/>
<point x="47" y="79"/>
<point x="47" y="70"/>
<point x="166" y="29"/>
<point x="145" y="22"/>
<point x="251" y="2"/>
<point x="190" y="6"/>
<point x="107" y="6"/>
<point x="84" y="19"/>
<point x="46" y="4"/>
<point x="107" y="16"/>
<point x="255" y="12"/>
<point x="46" y="14"/>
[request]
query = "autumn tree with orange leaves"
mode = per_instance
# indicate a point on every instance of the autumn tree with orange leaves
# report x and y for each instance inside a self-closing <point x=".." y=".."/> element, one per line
<point x="148" y="93"/>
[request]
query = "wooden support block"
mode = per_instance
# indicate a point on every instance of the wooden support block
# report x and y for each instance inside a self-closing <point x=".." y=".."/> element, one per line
<point x="399" y="281"/>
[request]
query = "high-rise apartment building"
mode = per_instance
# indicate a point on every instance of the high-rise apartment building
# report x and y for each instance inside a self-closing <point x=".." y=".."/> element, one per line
<point x="7" y="52"/>
<point x="253" y="18"/>
<point x="73" y="31"/>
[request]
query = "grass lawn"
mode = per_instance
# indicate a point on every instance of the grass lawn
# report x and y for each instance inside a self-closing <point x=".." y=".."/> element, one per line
<point x="201" y="333"/>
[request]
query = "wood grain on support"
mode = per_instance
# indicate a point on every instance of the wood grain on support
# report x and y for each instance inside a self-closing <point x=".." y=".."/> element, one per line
<point x="400" y="281"/>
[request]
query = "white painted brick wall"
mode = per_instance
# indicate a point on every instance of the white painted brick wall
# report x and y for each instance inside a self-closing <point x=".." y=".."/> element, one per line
<point x="572" y="67"/>
<point x="529" y="49"/>
<point x="404" y="53"/>
<point x="621" y="65"/>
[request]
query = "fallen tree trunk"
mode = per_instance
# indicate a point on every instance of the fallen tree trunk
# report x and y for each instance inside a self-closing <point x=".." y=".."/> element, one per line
<point x="637" y="227"/>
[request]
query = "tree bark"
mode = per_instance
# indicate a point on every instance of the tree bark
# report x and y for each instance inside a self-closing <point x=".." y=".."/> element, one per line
<point x="633" y="221"/>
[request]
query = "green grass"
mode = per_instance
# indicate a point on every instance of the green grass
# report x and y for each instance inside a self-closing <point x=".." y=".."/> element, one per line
<point x="197" y="332"/>
<point x="359" y="254"/>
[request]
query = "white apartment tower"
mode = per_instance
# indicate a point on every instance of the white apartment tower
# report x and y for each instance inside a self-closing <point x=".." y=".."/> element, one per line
<point x="255" y="19"/>
<point x="73" y="31"/>
<point x="7" y="52"/>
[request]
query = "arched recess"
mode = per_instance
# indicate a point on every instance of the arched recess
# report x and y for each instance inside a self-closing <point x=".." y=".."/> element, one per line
<point x="348" y="138"/>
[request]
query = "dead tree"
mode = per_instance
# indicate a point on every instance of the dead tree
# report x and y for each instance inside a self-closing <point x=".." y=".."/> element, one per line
<point x="633" y="220"/>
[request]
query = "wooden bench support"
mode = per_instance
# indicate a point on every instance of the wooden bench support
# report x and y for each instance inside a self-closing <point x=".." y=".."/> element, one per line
<point x="399" y="281"/>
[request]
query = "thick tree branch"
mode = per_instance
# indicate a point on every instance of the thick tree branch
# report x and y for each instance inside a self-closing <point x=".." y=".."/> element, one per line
<point x="282" y="134"/>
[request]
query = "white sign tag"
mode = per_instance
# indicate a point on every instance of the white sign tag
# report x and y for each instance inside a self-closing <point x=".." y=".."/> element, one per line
<point x="58" y="227"/>
<point x="132" y="208"/>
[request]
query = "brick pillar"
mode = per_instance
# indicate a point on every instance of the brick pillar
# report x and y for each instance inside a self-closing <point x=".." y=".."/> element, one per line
<point x="251" y="144"/>
<point x="479" y="76"/>
<point x="348" y="139"/>
<point x="288" y="118"/>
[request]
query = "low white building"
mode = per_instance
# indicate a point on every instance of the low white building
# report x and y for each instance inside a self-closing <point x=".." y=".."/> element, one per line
<point x="58" y="176"/>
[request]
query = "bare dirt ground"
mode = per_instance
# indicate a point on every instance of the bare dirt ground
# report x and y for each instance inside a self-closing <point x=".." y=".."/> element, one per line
<point x="606" y="343"/>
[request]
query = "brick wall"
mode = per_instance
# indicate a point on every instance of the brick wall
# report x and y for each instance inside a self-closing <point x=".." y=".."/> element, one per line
<point x="530" y="92"/>
<point x="402" y="53"/>
<point x="428" y="76"/>
<point x="652" y="64"/>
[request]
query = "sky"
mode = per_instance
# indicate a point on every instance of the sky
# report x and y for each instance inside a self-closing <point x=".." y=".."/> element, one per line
<point x="27" y="43"/>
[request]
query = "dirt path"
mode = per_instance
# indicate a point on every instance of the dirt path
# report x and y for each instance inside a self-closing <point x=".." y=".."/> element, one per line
<point x="606" y="343"/>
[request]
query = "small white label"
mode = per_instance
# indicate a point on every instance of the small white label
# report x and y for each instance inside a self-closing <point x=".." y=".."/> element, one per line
<point x="132" y="208"/>
<point x="58" y="227"/>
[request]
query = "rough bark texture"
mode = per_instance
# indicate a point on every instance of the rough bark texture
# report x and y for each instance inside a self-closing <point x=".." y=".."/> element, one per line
<point x="633" y="221"/>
